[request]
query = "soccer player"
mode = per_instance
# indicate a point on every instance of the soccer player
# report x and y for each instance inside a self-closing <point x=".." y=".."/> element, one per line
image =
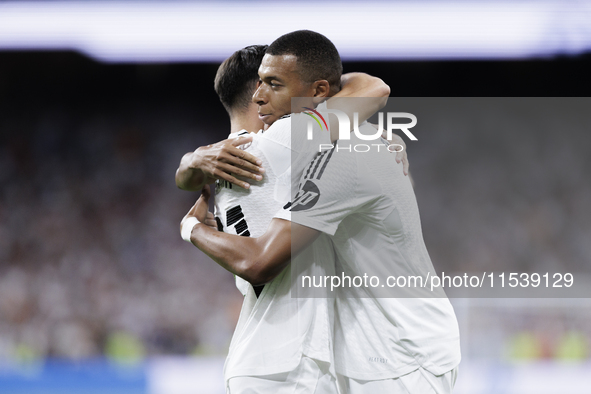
<point x="235" y="82"/>
<point x="381" y="344"/>
<point x="280" y="342"/>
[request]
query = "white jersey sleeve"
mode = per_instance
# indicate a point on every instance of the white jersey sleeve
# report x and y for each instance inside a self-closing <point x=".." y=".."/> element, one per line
<point x="275" y="330"/>
<point x="325" y="198"/>
<point x="367" y="205"/>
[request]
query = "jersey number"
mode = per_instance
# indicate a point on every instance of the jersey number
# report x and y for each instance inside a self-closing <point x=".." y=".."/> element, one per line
<point x="235" y="217"/>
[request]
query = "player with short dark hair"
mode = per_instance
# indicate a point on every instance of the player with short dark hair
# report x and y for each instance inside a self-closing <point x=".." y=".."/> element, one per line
<point x="267" y="356"/>
<point x="235" y="81"/>
<point x="237" y="78"/>
<point x="382" y="345"/>
<point x="317" y="56"/>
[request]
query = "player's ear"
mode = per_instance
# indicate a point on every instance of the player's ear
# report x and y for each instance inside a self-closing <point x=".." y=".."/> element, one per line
<point x="321" y="88"/>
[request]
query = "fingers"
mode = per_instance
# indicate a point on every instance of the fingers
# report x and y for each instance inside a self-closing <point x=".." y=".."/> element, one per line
<point x="233" y="170"/>
<point x="241" y="140"/>
<point x="243" y="159"/>
<point x="200" y="211"/>
<point x="399" y="155"/>
<point x="202" y="200"/>
<point x="213" y="225"/>
<point x="229" y="173"/>
<point x="219" y="174"/>
<point x="227" y="157"/>
<point x="402" y="156"/>
<point x="236" y="142"/>
<point x="225" y="161"/>
<point x="405" y="164"/>
<point x="210" y="221"/>
<point x="397" y="140"/>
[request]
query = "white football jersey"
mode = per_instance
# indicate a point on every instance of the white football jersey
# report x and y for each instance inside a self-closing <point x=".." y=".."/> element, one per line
<point x="368" y="207"/>
<point x="275" y="329"/>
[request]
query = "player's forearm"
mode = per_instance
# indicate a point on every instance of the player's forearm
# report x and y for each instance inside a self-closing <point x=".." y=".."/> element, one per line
<point x="187" y="178"/>
<point x="256" y="260"/>
<point x="363" y="85"/>
<point x="358" y="85"/>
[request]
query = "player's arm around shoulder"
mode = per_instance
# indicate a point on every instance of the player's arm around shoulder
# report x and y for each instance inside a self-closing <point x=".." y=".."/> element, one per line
<point x="223" y="160"/>
<point x="256" y="260"/>
<point x="363" y="85"/>
<point x="372" y="89"/>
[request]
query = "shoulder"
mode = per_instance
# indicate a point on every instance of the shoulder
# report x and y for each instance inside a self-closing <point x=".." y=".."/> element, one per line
<point x="238" y="134"/>
<point x="336" y="165"/>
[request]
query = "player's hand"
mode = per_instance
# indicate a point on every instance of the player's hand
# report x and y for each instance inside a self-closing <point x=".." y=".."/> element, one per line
<point x="224" y="160"/>
<point x="210" y="221"/>
<point x="201" y="210"/>
<point x="401" y="155"/>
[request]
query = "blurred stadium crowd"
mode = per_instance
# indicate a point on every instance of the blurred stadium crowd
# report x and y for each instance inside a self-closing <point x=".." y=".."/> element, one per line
<point x="503" y="184"/>
<point x="91" y="261"/>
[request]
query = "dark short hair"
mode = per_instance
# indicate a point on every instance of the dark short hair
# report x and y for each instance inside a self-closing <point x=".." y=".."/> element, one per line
<point x="317" y="57"/>
<point x="236" y="78"/>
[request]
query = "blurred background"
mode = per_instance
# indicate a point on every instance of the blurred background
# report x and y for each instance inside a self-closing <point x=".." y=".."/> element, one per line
<point x="99" y="101"/>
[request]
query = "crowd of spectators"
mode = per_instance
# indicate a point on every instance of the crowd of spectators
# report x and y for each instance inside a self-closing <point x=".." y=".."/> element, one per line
<point x="90" y="245"/>
<point x="91" y="261"/>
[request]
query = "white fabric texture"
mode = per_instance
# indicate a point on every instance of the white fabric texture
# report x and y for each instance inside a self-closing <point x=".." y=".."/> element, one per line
<point x="419" y="381"/>
<point x="368" y="206"/>
<point x="309" y="377"/>
<point x="275" y="330"/>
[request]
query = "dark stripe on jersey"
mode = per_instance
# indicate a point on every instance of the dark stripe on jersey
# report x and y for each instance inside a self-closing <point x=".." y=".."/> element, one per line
<point x="318" y="163"/>
<point x="220" y="224"/>
<point x="318" y="157"/>
<point x="234" y="214"/>
<point x="327" y="160"/>
<point x="241" y="226"/>
<point x="287" y="205"/>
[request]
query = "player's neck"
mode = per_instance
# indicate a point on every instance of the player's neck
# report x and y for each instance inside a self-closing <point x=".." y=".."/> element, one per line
<point x="239" y="126"/>
<point x="243" y="122"/>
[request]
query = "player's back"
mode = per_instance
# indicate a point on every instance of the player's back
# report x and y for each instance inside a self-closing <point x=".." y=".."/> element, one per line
<point x="275" y="329"/>
<point x="248" y="212"/>
<point x="384" y="239"/>
<point x="363" y="200"/>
